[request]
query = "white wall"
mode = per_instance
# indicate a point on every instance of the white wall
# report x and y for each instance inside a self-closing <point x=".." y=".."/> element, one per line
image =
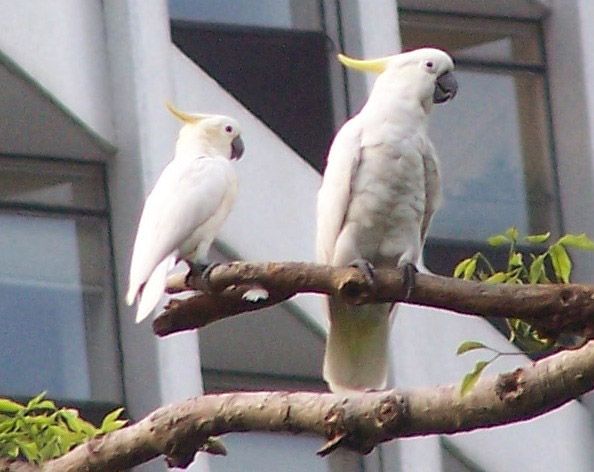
<point x="62" y="45"/>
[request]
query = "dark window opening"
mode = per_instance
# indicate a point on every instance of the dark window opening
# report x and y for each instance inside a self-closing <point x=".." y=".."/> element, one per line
<point x="279" y="75"/>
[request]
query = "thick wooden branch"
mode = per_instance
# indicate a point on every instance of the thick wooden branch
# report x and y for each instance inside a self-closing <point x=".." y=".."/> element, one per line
<point x="550" y="308"/>
<point x="357" y="422"/>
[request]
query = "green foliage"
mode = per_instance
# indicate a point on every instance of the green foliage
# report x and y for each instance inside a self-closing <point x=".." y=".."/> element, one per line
<point x="471" y="378"/>
<point x="39" y="431"/>
<point x="469" y="346"/>
<point x="544" y="266"/>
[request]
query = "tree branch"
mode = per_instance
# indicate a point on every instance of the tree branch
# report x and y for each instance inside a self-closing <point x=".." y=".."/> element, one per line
<point x="552" y="309"/>
<point x="359" y="422"/>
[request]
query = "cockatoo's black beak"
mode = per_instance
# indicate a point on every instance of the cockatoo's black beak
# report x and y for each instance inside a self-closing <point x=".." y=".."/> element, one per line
<point x="237" y="148"/>
<point x="446" y="87"/>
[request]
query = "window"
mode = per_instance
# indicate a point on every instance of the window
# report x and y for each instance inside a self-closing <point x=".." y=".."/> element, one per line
<point x="272" y="56"/>
<point x="494" y="139"/>
<point x="56" y="290"/>
<point x="262" y="13"/>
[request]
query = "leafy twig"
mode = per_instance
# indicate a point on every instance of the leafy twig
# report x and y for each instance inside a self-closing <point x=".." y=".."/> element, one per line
<point x="478" y="267"/>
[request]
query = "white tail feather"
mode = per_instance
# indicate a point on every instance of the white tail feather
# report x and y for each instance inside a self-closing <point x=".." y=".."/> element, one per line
<point x="154" y="288"/>
<point x="356" y="356"/>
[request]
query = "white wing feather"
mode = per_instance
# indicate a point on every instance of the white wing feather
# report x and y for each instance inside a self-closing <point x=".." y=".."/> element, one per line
<point x="432" y="189"/>
<point x="154" y="288"/>
<point x="186" y="195"/>
<point x="335" y="192"/>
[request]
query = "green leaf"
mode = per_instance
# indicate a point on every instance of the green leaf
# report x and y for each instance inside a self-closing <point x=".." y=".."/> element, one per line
<point x="469" y="346"/>
<point x="36" y="400"/>
<point x="44" y="405"/>
<point x="561" y="262"/>
<point x="579" y="241"/>
<point x="536" y="269"/>
<point x="512" y="233"/>
<point x="498" y="240"/>
<point x="470" y="269"/>
<point x="6" y="424"/>
<point x="470" y="379"/>
<point x="11" y="450"/>
<point x="513" y="277"/>
<point x="70" y="417"/>
<point x="8" y="406"/>
<point x="111" y="423"/>
<point x="497" y="278"/>
<point x="77" y="424"/>
<point x="111" y="419"/>
<point x="49" y="450"/>
<point x="461" y="267"/>
<point x="114" y="425"/>
<point x="65" y="437"/>
<point x="538" y="238"/>
<point x="28" y="449"/>
<point x="516" y="259"/>
<point x="40" y="420"/>
<point x="526" y="337"/>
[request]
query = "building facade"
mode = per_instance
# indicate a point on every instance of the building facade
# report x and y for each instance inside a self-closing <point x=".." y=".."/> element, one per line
<point x="84" y="134"/>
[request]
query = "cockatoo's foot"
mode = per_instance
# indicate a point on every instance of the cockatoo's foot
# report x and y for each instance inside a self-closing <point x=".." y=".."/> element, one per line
<point x="196" y="269"/>
<point x="207" y="271"/>
<point x="202" y="270"/>
<point x="366" y="268"/>
<point x="409" y="279"/>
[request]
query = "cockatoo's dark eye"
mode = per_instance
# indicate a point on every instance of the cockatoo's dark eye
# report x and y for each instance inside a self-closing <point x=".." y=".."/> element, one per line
<point x="229" y="129"/>
<point x="429" y="65"/>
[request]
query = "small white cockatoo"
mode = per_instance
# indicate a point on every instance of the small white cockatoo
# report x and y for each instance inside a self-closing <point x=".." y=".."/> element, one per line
<point x="187" y="206"/>
<point x="380" y="189"/>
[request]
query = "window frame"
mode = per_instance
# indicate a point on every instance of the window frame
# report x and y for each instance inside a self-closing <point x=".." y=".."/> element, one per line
<point x="508" y="67"/>
<point x="93" y="410"/>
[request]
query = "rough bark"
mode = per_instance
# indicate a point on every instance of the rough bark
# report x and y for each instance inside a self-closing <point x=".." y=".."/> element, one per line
<point x="357" y="422"/>
<point x="7" y="465"/>
<point x="552" y="309"/>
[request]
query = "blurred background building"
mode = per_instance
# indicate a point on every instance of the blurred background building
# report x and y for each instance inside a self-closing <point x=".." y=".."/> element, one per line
<point x="84" y="134"/>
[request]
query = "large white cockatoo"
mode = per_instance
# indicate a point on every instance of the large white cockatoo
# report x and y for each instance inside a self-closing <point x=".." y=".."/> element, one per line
<point x="189" y="203"/>
<point x="380" y="189"/>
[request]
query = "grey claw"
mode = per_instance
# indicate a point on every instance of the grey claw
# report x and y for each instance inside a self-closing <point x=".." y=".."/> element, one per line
<point x="208" y="270"/>
<point x="408" y="279"/>
<point x="366" y="269"/>
<point x="202" y="270"/>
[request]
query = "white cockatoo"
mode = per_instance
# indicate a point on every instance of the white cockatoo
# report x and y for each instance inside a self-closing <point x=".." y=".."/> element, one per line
<point x="187" y="206"/>
<point x="380" y="189"/>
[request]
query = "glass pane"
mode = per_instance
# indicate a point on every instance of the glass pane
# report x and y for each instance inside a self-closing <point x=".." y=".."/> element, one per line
<point x="55" y="295"/>
<point x="470" y="38"/>
<point x="492" y="142"/>
<point x="287" y="14"/>
<point x="28" y="180"/>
